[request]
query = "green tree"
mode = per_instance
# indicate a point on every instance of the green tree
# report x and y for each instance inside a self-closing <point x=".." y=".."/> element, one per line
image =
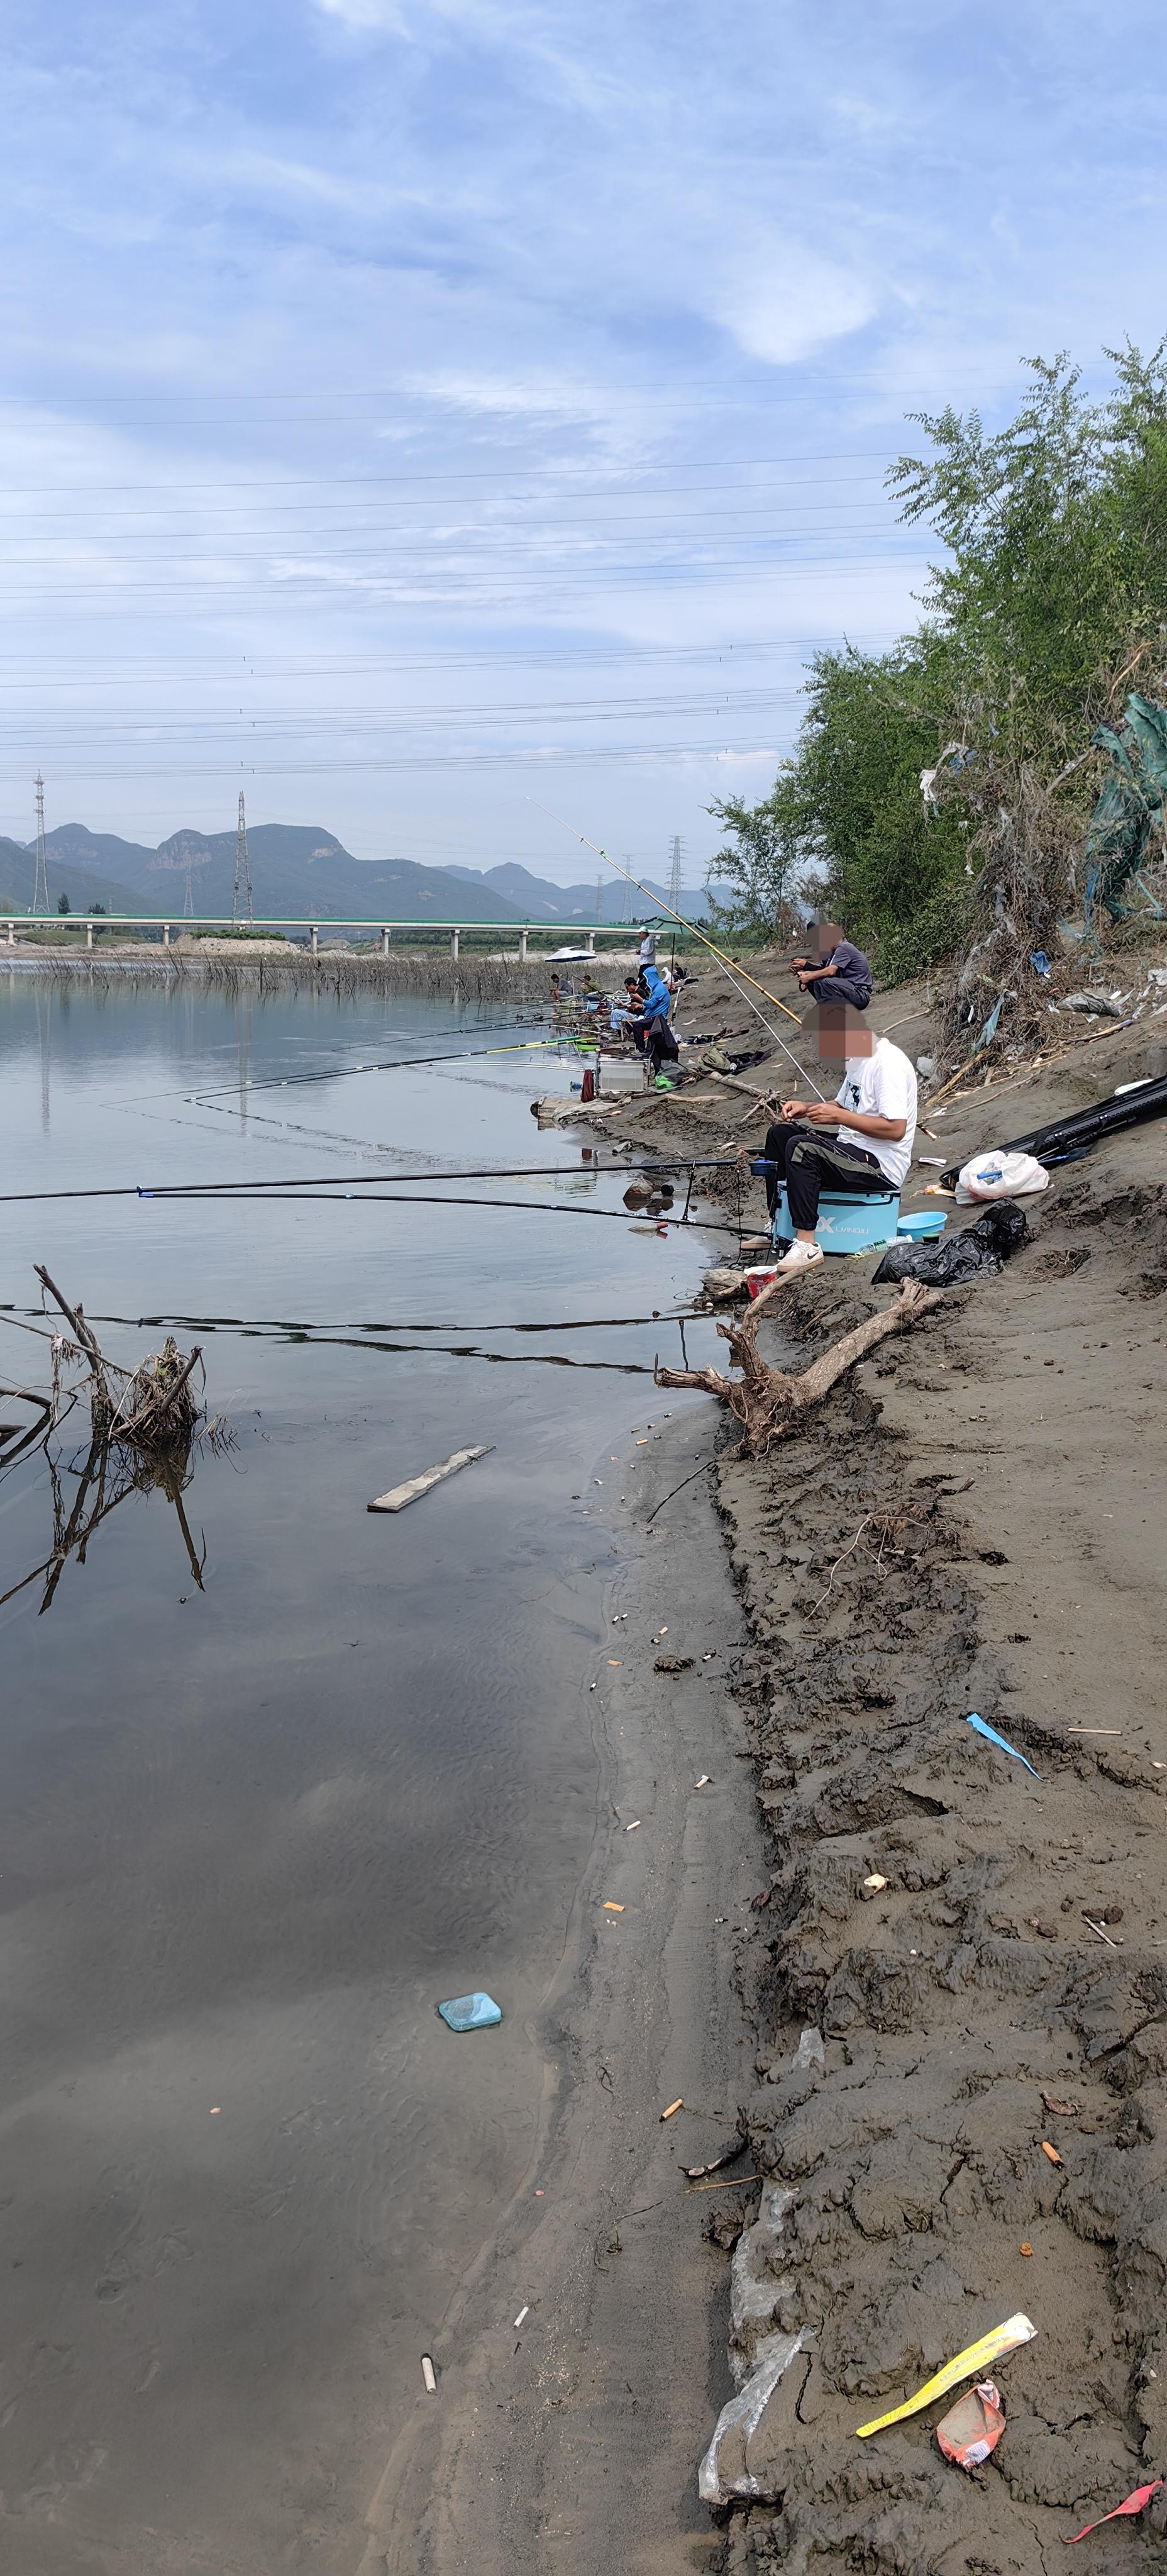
<point x="1057" y="536"/>
<point x="762" y="863"/>
<point x="1051" y="596"/>
<point x="894" y="867"/>
<point x="63" y="903"/>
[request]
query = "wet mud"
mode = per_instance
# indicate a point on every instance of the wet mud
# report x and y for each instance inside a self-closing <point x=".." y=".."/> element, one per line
<point x="974" y="1524"/>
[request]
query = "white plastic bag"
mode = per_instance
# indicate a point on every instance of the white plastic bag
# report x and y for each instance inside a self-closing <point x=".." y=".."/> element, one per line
<point x="1000" y="1176"/>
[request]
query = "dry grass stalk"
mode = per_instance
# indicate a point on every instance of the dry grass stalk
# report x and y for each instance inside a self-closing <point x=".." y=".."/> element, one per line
<point x="152" y="1406"/>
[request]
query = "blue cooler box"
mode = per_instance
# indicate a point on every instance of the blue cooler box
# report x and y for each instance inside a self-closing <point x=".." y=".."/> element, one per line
<point x="848" y="1221"/>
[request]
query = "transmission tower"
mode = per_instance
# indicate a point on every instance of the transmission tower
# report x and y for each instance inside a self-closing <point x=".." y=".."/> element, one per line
<point x="241" y="905"/>
<point x="40" y="900"/>
<point x="675" y="874"/>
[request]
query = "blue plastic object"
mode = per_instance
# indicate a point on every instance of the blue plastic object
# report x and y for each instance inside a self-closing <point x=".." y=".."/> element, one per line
<point x="923" y="1224"/>
<point x="848" y="1220"/>
<point x="470" y="2012"/>
<point x="991" y="1737"/>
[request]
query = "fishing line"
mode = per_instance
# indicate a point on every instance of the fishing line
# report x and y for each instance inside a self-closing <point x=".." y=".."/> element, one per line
<point x="658" y="905"/>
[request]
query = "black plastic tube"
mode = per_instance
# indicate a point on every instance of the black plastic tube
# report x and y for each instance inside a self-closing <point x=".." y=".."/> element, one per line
<point x="1064" y="1139"/>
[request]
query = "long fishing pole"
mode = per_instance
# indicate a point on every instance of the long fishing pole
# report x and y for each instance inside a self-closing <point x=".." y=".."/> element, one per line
<point x="385" y="1064"/>
<point x="430" y="1198"/>
<point x="370" y="1180"/>
<point x="728" y="968"/>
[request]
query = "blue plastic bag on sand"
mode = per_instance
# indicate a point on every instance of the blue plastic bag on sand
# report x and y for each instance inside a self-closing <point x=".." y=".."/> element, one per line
<point x="470" y="2012"/>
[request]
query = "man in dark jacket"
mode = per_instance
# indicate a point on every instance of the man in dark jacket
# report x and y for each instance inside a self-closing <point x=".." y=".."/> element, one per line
<point x="838" y="973"/>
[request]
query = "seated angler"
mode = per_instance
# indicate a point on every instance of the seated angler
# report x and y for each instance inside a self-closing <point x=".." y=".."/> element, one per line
<point x="627" y="1011"/>
<point x="837" y="971"/>
<point x="873" y="1120"/>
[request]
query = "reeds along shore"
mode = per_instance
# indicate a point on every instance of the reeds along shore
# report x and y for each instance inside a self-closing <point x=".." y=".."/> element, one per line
<point x="463" y="980"/>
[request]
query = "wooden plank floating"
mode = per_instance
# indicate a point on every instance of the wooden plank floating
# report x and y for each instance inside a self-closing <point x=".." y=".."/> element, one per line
<point x="399" y="1496"/>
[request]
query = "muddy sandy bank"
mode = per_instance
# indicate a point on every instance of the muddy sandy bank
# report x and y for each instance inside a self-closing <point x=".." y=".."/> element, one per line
<point x="973" y="1522"/>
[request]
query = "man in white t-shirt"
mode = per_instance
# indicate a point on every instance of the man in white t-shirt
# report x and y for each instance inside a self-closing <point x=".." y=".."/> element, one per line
<point x="874" y="1121"/>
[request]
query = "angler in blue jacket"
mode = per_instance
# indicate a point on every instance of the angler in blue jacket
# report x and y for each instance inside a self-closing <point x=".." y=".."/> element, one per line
<point x="650" y="1029"/>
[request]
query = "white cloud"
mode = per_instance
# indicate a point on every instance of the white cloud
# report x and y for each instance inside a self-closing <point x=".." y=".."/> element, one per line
<point x="784" y="304"/>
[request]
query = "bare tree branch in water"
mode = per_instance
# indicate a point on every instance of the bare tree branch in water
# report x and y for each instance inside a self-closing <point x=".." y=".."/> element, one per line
<point x="146" y="1427"/>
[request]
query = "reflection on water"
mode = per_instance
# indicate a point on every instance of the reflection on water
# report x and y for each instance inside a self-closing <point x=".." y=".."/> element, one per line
<point x="277" y="1773"/>
<point x="101" y="1482"/>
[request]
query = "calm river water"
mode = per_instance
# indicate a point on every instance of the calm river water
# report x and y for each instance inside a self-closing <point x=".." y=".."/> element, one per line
<point x="250" y="1834"/>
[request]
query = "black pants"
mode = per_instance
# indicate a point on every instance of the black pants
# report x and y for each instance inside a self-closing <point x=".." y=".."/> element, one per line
<point x="662" y="1045"/>
<point x="810" y="1159"/>
<point x="839" y="988"/>
<point x="653" y="1038"/>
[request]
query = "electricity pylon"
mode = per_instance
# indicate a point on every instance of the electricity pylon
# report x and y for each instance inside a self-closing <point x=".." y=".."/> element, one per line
<point x="40" y="900"/>
<point x="241" y="904"/>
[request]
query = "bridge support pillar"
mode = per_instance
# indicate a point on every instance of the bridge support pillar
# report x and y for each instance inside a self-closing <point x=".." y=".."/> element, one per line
<point x="384" y="943"/>
<point x="454" y="944"/>
<point x="315" y="930"/>
<point x="89" y="934"/>
<point x="591" y="943"/>
<point x="166" y="934"/>
<point x="523" y="945"/>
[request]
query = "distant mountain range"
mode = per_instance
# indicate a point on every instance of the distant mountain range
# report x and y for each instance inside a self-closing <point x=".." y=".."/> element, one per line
<point x="540" y="900"/>
<point x="298" y="873"/>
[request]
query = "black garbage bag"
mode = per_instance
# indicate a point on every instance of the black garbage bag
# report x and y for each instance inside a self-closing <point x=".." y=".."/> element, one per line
<point x="950" y="1259"/>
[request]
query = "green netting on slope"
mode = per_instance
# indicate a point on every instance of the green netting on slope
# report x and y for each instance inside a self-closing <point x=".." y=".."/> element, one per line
<point x="1131" y="804"/>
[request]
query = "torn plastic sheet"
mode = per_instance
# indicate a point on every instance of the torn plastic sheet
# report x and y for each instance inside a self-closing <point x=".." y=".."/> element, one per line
<point x="739" y="2420"/>
<point x="1130" y="2504"/>
<point x="1064" y="1139"/>
<point x="975" y="1252"/>
<point x="991" y="1737"/>
<point x="973" y="2427"/>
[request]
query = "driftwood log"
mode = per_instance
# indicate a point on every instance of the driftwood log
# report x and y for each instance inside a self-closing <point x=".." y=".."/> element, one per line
<point x="768" y="1403"/>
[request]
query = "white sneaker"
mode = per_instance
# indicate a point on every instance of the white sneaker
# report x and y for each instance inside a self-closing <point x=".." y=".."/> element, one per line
<point x="801" y="1256"/>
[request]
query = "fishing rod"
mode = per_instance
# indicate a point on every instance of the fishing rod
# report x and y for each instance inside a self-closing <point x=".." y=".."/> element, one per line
<point x="734" y="973"/>
<point x="386" y="1064"/>
<point x="366" y="1180"/>
<point x="259" y="1324"/>
<point x="430" y="1198"/>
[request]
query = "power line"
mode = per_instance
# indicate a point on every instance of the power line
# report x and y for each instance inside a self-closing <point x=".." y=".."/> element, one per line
<point x="468" y="473"/>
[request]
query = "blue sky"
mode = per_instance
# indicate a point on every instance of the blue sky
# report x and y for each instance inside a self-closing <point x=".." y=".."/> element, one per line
<point x="414" y="408"/>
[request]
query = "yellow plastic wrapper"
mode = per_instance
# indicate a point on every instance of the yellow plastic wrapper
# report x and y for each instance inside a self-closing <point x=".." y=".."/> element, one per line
<point x="967" y="2365"/>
